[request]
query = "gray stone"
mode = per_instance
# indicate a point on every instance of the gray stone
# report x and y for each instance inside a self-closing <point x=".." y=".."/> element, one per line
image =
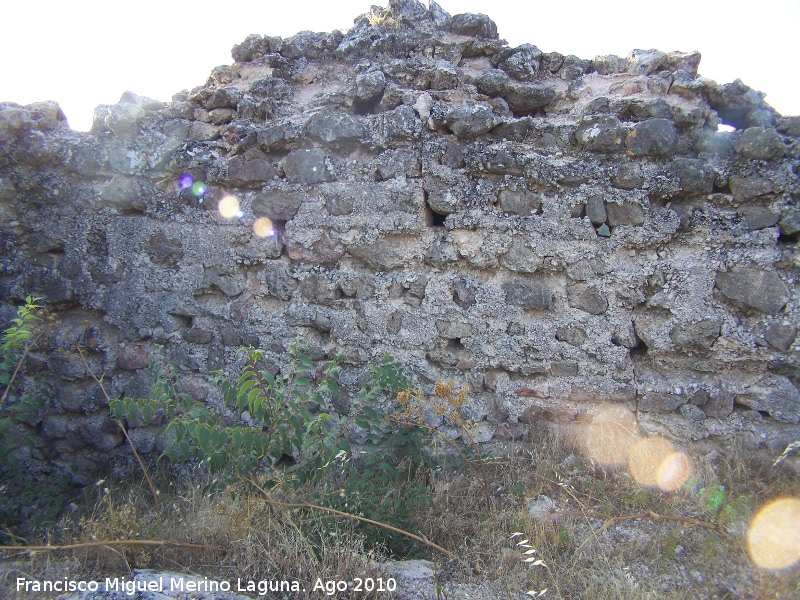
<point x="781" y="337"/>
<point x="528" y="98"/>
<point x="252" y="168"/>
<point x="521" y="257"/>
<point x="697" y="335"/>
<point x="629" y="176"/>
<point x="370" y="85"/>
<point x="758" y="217"/>
<point x="775" y="395"/>
<point x="624" y="214"/>
<point x="695" y="176"/>
<point x="473" y="25"/>
<point x="133" y="356"/>
<point x="604" y="230"/>
<point x="760" y="144"/>
<point x="307" y="167"/>
<point x="753" y="288"/>
<point x="745" y="189"/>
<point x="277" y="204"/>
<point x="493" y="82"/>
<point x="332" y="128"/>
<point x="197" y="335"/>
<point x="601" y="133"/>
<point x="585" y="298"/>
<point x="524" y="63"/>
<point x="596" y="210"/>
<point x="790" y="222"/>
<point x="468" y="122"/>
<point x="223" y="98"/>
<point x="571" y="334"/>
<point x="645" y="62"/>
<point x="528" y="295"/>
<point x="652" y="137"/>
<point x="444" y="76"/>
<point x="519" y="202"/>
<point x="272" y="87"/>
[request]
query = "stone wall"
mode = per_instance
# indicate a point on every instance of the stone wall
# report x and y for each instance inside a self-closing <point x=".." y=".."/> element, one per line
<point x="553" y="232"/>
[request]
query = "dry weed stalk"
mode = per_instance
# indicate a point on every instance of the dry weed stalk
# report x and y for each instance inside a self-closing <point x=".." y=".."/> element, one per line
<point x="419" y="538"/>
<point x="122" y="428"/>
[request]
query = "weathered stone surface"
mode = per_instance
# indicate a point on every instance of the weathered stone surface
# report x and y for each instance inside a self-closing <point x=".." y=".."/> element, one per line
<point x="432" y="193"/>
<point x="602" y="133"/>
<point x="760" y="144"/>
<point x="775" y="395"/>
<point x="470" y="121"/>
<point x="133" y="356"/>
<point x="476" y="25"/>
<point x="493" y="82"/>
<point x="745" y="189"/>
<point x="624" y="214"/>
<point x="758" y="217"/>
<point x="629" y="176"/>
<point x="698" y="335"/>
<point x="277" y="204"/>
<point x="781" y="337"/>
<point x="753" y="288"/>
<point x="527" y="294"/>
<point x="596" y="210"/>
<point x="585" y="298"/>
<point x="571" y="334"/>
<point x="652" y="137"/>
<point x="335" y="127"/>
<point x="519" y="202"/>
<point x="307" y="166"/>
<point x="370" y="85"/>
<point x="528" y="98"/>
<point x="252" y="168"/>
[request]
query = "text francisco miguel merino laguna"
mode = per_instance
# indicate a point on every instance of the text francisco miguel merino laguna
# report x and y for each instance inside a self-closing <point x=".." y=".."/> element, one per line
<point x="178" y="583"/>
<point x="159" y="584"/>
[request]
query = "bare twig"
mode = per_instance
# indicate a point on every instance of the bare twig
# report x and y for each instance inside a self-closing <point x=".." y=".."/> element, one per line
<point x="124" y="431"/>
<point x="28" y="346"/>
<point x="420" y="538"/>
<point x="480" y="476"/>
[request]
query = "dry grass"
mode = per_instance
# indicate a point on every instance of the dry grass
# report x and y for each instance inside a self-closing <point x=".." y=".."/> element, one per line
<point x="642" y="558"/>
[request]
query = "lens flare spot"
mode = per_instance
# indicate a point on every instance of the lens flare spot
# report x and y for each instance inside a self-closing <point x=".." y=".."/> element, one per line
<point x="611" y="435"/>
<point x="674" y="471"/>
<point x="229" y="207"/>
<point x="773" y="540"/>
<point x="199" y="189"/>
<point x="185" y="181"/>
<point x="263" y="227"/>
<point x="646" y="458"/>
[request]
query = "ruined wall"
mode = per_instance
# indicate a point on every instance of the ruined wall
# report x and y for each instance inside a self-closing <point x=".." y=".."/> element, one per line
<point x="552" y="232"/>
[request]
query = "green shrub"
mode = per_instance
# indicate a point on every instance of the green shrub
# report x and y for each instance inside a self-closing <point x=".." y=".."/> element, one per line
<point x="26" y="499"/>
<point x="277" y="405"/>
<point x="288" y="443"/>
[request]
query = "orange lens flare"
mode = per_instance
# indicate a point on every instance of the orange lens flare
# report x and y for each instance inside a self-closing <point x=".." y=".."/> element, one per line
<point x="773" y="539"/>
<point x="611" y="435"/>
<point x="263" y="227"/>
<point x="646" y="459"/>
<point x="229" y="207"/>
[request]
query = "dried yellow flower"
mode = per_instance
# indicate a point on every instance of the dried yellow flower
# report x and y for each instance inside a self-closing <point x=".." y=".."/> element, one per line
<point x="403" y="397"/>
<point x="441" y="389"/>
<point x="438" y="410"/>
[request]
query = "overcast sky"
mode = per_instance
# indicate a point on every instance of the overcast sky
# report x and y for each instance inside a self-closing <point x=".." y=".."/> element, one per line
<point x="82" y="53"/>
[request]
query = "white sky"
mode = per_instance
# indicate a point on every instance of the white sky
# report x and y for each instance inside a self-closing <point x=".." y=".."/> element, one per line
<point x="82" y="53"/>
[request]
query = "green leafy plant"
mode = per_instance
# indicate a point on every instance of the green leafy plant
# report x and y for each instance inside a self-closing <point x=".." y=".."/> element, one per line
<point x="386" y="483"/>
<point x="26" y="499"/>
<point x="283" y="436"/>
